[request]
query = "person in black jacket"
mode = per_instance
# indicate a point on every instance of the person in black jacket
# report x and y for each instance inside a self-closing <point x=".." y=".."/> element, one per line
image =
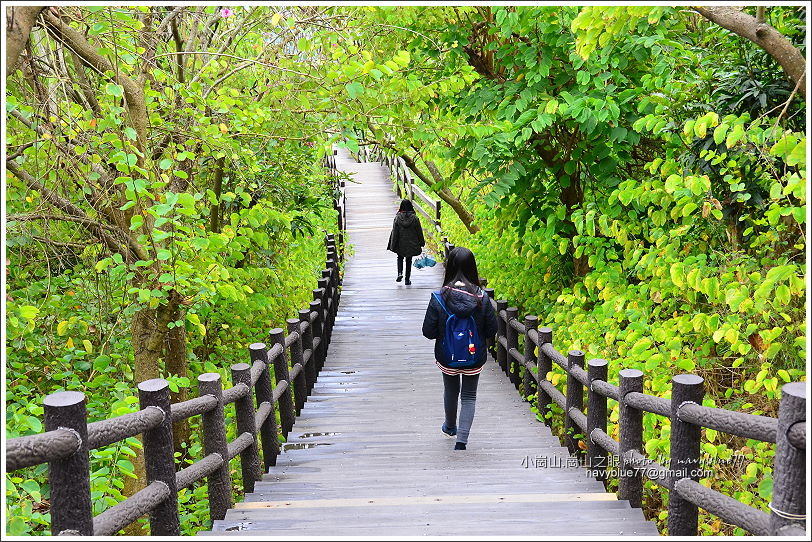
<point x="462" y="295"/>
<point x="406" y="239"/>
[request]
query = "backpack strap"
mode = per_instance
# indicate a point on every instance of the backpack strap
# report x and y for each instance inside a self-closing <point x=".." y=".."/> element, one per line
<point x="440" y="301"/>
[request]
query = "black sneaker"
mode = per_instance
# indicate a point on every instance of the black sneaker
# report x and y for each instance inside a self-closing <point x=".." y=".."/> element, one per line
<point x="459" y="446"/>
<point x="400" y="278"/>
<point x="450" y="433"/>
<point x="408" y="282"/>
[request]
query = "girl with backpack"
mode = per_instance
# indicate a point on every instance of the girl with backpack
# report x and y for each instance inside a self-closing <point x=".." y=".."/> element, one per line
<point x="461" y="319"/>
<point x="406" y="239"/>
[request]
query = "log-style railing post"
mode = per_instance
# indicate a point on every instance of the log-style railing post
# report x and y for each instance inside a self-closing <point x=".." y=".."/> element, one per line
<point x="323" y="284"/>
<point x="788" y="504"/>
<point x="287" y="412"/>
<point x="336" y="291"/>
<point x="311" y="372"/>
<point x="545" y="365"/>
<point x="630" y="481"/>
<point x="683" y="515"/>
<point x="342" y="215"/>
<point x="214" y="442"/>
<point x="329" y="286"/>
<point x="69" y="478"/>
<point x="574" y="399"/>
<point x="512" y="344"/>
<point x="299" y="382"/>
<point x="159" y="457"/>
<point x="501" y="326"/>
<point x="596" y="457"/>
<point x="528" y="384"/>
<point x="491" y="342"/>
<point x="246" y="423"/>
<point x="317" y="333"/>
<point x="268" y="431"/>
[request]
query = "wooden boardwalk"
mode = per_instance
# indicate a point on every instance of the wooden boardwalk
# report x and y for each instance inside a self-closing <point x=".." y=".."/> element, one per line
<point x="367" y="457"/>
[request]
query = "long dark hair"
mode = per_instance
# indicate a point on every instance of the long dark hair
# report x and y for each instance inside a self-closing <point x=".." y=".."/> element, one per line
<point x="460" y="266"/>
<point x="406" y="206"/>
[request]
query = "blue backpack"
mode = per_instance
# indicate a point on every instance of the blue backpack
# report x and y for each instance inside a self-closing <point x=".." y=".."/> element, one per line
<point x="461" y="339"/>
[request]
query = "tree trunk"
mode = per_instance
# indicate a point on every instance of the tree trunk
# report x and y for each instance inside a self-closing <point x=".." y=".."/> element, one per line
<point x="20" y="21"/>
<point x="572" y="196"/>
<point x="176" y="364"/>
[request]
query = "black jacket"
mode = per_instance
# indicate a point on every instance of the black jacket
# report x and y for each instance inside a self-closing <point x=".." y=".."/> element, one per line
<point x="462" y="304"/>
<point x="406" y="238"/>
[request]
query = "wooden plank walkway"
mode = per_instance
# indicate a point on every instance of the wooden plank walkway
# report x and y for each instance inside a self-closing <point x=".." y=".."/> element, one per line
<point x="367" y="457"/>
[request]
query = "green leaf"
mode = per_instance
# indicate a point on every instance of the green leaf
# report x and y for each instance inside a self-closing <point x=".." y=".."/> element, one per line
<point x="166" y="163"/>
<point x="686" y="365"/>
<point x="62" y="328"/>
<point x="551" y="107"/>
<point x="28" y="312"/>
<point x="782" y="295"/>
<point x="186" y="200"/>
<point x="765" y="488"/>
<point x="720" y="132"/>
<point x="734" y="136"/>
<point x="354" y="89"/>
<point x="798" y="154"/>
<point x="114" y="90"/>
<point x="136" y="222"/>
<point x="164" y="254"/>
<point x="673" y="183"/>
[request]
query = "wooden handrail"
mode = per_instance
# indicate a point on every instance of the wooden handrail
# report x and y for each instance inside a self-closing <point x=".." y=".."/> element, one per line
<point x="687" y="416"/>
<point x="404" y="185"/>
<point x="66" y="444"/>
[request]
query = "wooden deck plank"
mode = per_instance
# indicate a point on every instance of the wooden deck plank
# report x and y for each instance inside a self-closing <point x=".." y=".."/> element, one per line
<point x="367" y="458"/>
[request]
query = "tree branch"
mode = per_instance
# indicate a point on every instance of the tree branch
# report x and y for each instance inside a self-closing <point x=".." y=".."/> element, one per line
<point x="133" y="93"/>
<point x="465" y="216"/>
<point x="765" y="36"/>
<point x="131" y="250"/>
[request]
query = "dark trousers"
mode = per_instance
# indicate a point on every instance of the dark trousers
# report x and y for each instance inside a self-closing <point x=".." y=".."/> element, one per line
<point x="408" y="265"/>
<point x="465" y="393"/>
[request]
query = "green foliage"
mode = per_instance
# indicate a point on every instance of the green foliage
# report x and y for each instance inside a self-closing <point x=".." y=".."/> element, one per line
<point x="691" y="215"/>
<point x="637" y="174"/>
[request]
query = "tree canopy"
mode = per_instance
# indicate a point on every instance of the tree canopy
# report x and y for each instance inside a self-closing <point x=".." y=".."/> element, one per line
<point x="635" y="175"/>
